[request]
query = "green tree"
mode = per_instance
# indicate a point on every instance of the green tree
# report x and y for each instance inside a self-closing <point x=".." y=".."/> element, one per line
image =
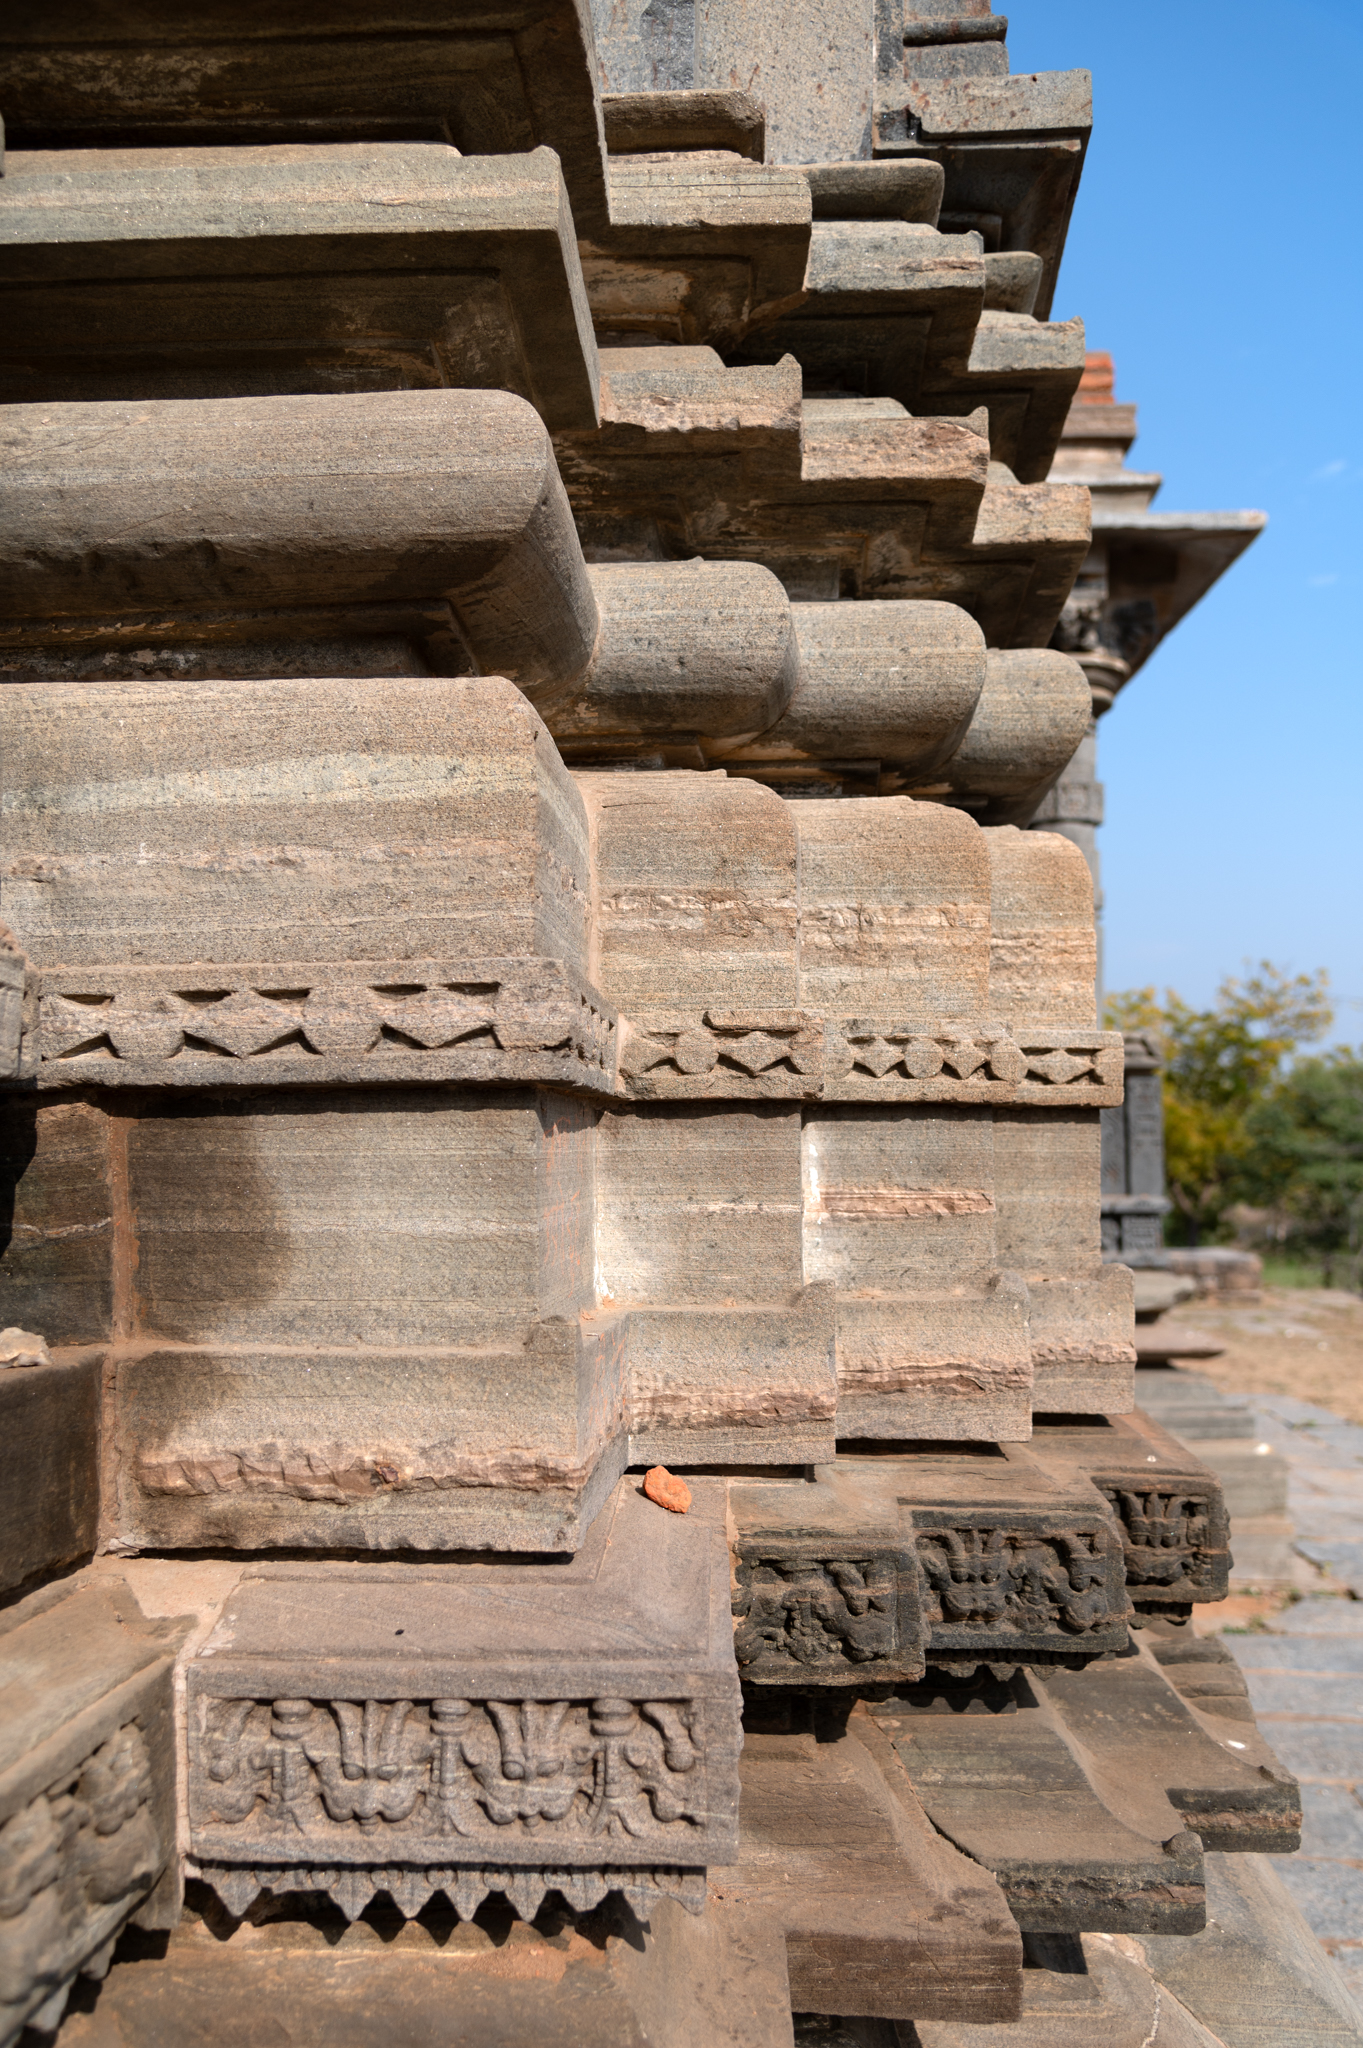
<point x="1218" y="1065"/>
<point x="1306" y="1158"/>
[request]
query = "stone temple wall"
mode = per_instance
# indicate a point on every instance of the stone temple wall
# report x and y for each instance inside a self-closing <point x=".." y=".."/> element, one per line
<point x="530" y="584"/>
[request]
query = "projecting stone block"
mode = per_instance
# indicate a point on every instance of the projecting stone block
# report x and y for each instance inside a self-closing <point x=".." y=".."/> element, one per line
<point x="1032" y="713"/>
<point x="697" y="894"/>
<point x="876" y="934"/>
<point x="1175" y="1525"/>
<point x="896" y="308"/>
<point x="1091" y="1794"/>
<point x="263" y="822"/>
<point x="353" y="1729"/>
<point x="686" y="648"/>
<point x="87" y="1790"/>
<point x="49" y="1465"/>
<point x="841" y="496"/>
<point x="702" y="247"/>
<point x="1229" y="1786"/>
<point x="643" y="122"/>
<point x="827" y="1586"/>
<point x="217" y="272"/>
<point x="485" y="82"/>
<point x="213" y="517"/>
<point x="406" y="1372"/>
<point x="891" y="1561"/>
<point x="881" y="680"/>
<point x="1001" y="1778"/>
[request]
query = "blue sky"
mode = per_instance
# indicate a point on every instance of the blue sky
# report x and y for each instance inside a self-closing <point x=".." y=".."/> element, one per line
<point x="1215" y="250"/>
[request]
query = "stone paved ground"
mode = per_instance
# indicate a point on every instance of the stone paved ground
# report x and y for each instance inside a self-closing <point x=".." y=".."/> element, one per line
<point x="1303" y="1341"/>
<point x="1304" y="1665"/>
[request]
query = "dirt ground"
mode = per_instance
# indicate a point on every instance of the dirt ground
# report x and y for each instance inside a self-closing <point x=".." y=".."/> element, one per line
<point x="1304" y="1341"/>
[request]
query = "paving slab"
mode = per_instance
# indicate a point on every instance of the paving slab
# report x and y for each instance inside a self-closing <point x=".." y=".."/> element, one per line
<point x="1319" y="1617"/>
<point x="1318" y="1749"/>
<point x="1328" y="1891"/>
<point x="1281" y="1694"/>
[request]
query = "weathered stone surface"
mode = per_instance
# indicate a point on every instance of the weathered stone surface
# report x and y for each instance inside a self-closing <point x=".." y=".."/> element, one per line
<point x="1074" y="1848"/>
<point x="1222" y="1777"/>
<point x="1067" y="1784"/>
<point x="57" y="1268"/>
<point x="702" y="246"/>
<point x="836" y="1851"/>
<point x="485" y="82"/>
<point x="1257" y="1977"/>
<point x="644" y="122"/>
<point x="601" y="1734"/>
<point x="210" y="515"/>
<point x="218" y="272"/>
<point x="897" y="308"/>
<point x="1042" y="953"/>
<point x="840" y="495"/>
<point x="1175" y="1524"/>
<point x="889" y="1562"/>
<point x="707" y="658"/>
<point x="87" y="1791"/>
<point x="1031" y="715"/>
<point x="253" y="822"/>
<point x="1080" y="1989"/>
<point x="49" y="1465"/>
<point x="608" y="1977"/>
<point x="880" y="190"/>
<point x="13" y="1003"/>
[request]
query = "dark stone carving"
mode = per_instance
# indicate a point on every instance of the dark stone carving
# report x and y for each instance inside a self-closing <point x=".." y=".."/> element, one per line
<point x="1001" y="1580"/>
<point x="1169" y="1508"/>
<point x="838" y="1612"/>
<point x="449" y="1767"/>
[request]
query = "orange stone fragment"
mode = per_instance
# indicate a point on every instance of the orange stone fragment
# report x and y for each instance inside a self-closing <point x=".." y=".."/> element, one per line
<point x="670" y="1492"/>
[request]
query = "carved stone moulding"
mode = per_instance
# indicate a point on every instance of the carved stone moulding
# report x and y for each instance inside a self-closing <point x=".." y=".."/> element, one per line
<point x="464" y="1886"/>
<point x="521" y="1019"/>
<point x="466" y="1020"/>
<point x="1170" y="1508"/>
<point x="804" y="1054"/>
<point x="889" y="1563"/>
<point x="87" y="1790"/>
<point x="350" y="1721"/>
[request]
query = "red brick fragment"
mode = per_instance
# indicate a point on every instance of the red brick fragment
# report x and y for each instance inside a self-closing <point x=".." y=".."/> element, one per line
<point x="670" y="1492"/>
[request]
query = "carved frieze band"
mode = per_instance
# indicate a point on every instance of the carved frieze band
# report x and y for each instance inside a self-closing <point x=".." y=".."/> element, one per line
<point x="500" y="1019"/>
<point x="825" y="1616"/>
<point x="469" y="1019"/>
<point x="996" y="1591"/>
<point x="464" y="1886"/>
<point x="1176" y="1541"/>
<point x="74" y="1862"/>
<point x="1021" y="1583"/>
<point x="793" y="1052"/>
<point x="413" y="1781"/>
